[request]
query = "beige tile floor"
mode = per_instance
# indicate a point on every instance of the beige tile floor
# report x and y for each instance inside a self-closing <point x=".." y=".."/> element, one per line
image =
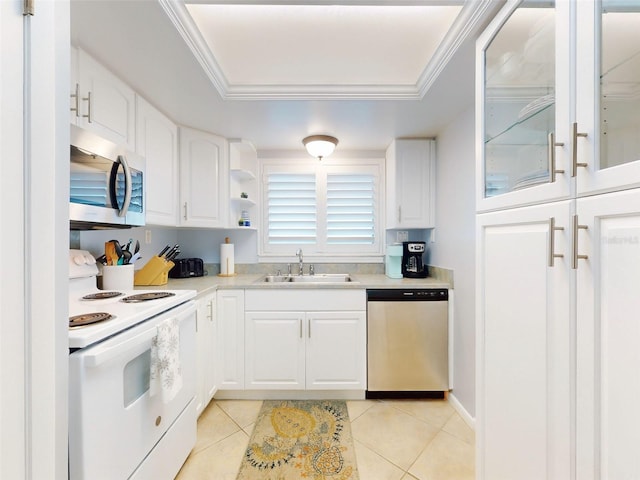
<point x="394" y="440"/>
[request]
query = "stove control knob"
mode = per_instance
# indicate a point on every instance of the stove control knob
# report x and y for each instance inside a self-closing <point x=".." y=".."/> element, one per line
<point x="79" y="259"/>
<point x="89" y="260"/>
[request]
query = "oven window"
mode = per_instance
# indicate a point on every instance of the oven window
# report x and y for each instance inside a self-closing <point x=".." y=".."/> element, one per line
<point x="136" y="377"/>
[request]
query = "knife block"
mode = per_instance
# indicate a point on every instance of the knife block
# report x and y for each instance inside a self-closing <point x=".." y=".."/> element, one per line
<point x="155" y="272"/>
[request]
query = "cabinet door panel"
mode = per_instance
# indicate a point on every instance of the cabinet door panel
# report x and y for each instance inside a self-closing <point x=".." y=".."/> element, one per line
<point x="157" y="142"/>
<point x="410" y="177"/>
<point x="274" y="350"/>
<point x="607" y="97"/>
<point x="336" y="350"/>
<point x="608" y="336"/>
<point x="204" y="179"/>
<point x="523" y="339"/>
<point x="111" y="109"/>
<point x="523" y="83"/>
<point x="230" y="351"/>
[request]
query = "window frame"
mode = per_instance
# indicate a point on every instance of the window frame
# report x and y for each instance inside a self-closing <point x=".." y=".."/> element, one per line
<point x="321" y="251"/>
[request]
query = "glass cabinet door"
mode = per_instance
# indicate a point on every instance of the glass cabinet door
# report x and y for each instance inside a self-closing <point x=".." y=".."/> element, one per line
<point x="607" y="139"/>
<point x="524" y="99"/>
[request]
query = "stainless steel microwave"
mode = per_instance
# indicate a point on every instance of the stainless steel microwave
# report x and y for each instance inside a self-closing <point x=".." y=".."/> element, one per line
<point x="107" y="187"/>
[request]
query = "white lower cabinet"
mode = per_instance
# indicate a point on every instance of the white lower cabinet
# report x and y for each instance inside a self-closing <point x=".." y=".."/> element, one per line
<point x="524" y="344"/>
<point x="206" y="331"/>
<point x="230" y="351"/>
<point x="336" y="350"/>
<point x="557" y="346"/>
<point x="274" y="350"/>
<point x="305" y="349"/>
<point x="608" y="337"/>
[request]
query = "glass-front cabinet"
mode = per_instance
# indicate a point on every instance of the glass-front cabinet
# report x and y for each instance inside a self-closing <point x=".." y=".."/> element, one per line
<point x="523" y="113"/>
<point x="558" y="89"/>
<point x="607" y="139"/>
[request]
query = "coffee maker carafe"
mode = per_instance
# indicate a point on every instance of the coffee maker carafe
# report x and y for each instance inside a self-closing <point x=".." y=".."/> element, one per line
<point x="412" y="263"/>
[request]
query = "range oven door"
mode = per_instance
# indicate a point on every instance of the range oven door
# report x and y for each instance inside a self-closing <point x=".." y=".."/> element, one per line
<point x="114" y="421"/>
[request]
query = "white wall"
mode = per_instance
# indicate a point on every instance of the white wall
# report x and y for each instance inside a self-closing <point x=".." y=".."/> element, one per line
<point x="454" y="247"/>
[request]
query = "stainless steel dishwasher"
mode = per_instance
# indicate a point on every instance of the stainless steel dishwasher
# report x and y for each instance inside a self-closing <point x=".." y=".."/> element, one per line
<point x="407" y="343"/>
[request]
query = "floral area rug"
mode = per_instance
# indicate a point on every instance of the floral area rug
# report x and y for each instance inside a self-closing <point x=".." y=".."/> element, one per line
<point x="300" y="439"/>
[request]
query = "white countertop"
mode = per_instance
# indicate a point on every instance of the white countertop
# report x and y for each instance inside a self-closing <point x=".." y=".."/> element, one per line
<point x="212" y="283"/>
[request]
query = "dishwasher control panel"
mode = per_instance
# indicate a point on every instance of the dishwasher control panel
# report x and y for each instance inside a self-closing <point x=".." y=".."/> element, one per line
<point x="407" y="294"/>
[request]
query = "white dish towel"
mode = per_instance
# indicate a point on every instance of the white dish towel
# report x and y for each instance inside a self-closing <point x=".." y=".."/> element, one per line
<point x="166" y="374"/>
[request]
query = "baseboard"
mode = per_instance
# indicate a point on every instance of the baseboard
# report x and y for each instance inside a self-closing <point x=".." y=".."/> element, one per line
<point x="290" y="395"/>
<point x="468" y="419"/>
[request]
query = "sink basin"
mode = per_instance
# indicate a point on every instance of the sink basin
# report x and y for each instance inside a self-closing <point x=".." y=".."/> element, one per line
<point x="318" y="278"/>
<point x="322" y="278"/>
<point x="277" y="278"/>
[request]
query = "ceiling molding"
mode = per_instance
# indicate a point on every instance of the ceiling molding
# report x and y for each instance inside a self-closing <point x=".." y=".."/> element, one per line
<point x="471" y="17"/>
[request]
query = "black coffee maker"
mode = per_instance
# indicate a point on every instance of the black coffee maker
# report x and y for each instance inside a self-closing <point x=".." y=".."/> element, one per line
<point x="412" y="263"/>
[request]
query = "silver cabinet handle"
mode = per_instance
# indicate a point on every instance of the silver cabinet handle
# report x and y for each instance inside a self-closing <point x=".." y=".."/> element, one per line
<point x="88" y="100"/>
<point x="552" y="241"/>
<point x="551" y="153"/>
<point x="76" y="100"/>
<point x="309" y="327"/>
<point x="576" y="227"/>
<point x="300" y="323"/>
<point x="185" y="210"/>
<point x="575" y="164"/>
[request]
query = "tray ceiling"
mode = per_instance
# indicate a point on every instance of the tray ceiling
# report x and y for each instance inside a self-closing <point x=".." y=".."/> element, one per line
<point x="353" y="50"/>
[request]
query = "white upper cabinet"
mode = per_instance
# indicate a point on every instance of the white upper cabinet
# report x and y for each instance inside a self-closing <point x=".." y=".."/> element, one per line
<point x="559" y="109"/>
<point x="607" y="141"/>
<point x="410" y="178"/>
<point x="101" y="102"/>
<point x="204" y="179"/>
<point x="157" y="141"/>
<point x="523" y="109"/>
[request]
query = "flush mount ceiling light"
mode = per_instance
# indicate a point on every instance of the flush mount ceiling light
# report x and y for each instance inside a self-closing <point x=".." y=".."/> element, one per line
<point x="320" y="145"/>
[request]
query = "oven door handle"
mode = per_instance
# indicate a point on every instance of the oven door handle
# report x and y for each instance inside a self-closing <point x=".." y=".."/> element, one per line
<point x="102" y="354"/>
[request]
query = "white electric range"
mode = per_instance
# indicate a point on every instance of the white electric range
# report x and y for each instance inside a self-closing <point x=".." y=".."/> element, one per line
<point x="123" y="421"/>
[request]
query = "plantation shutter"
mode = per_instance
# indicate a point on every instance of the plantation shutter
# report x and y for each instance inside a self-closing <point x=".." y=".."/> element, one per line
<point x="350" y="209"/>
<point x="292" y="208"/>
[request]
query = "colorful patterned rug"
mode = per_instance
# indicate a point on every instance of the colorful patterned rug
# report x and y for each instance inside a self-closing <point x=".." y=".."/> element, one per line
<point x="300" y="439"/>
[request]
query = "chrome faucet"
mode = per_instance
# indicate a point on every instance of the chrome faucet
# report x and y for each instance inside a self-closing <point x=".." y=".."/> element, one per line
<point x="299" y="254"/>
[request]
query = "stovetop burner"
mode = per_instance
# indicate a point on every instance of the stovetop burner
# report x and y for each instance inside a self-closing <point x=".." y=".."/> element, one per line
<point x="88" y="319"/>
<point x="143" y="297"/>
<point x="101" y="295"/>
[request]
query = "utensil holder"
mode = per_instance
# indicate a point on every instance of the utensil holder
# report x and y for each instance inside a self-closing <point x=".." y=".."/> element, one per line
<point x="117" y="277"/>
<point x="155" y="272"/>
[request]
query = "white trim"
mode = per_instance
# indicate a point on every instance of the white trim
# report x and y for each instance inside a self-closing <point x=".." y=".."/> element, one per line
<point x="471" y="17"/>
<point x="468" y="419"/>
<point x="290" y="395"/>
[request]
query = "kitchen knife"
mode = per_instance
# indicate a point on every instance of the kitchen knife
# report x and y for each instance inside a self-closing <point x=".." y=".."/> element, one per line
<point x="164" y="250"/>
<point x="173" y="255"/>
<point x="171" y="252"/>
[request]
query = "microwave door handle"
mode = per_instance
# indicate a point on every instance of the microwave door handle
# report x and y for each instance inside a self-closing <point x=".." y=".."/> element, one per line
<point x="127" y="185"/>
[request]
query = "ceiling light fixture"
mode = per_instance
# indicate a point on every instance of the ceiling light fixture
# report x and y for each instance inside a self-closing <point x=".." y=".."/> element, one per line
<point x="320" y="145"/>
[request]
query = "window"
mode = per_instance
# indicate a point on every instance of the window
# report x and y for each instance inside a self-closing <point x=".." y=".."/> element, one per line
<point x="326" y="208"/>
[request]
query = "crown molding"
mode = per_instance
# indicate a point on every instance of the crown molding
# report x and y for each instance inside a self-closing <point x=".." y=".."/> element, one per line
<point x="472" y="16"/>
